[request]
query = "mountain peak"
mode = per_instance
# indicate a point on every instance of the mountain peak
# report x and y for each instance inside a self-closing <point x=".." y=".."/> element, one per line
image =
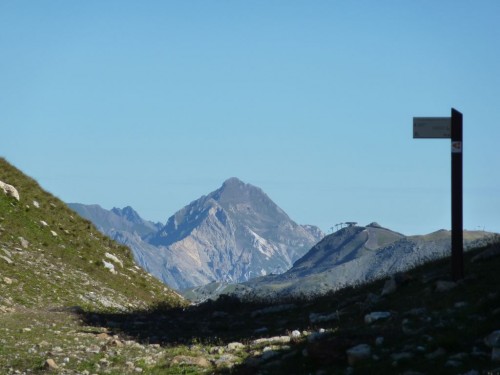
<point x="233" y="190"/>
<point x="233" y="182"/>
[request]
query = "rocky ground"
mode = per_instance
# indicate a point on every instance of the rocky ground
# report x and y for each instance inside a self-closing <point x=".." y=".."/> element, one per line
<point x="419" y="322"/>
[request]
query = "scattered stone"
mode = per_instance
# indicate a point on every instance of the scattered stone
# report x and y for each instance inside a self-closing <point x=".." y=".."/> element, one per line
<point x="109" y="266"/>
<point x="296" y="334"/>
<point x="316" y="336"/>
<point x="44" y="223"/>
<point x="116" y="342"/>
<point x="7" y="259"/>
<point x="50" y="364"/>
<point x="439" y="352"/>
<point x="377" y="315"/>
<point x="493" y="339"/>
<point x="114" y="258"/>
<point x="103" y="362"/>
<point x="379" y="341"/>
<point x="36" y="204"/>
<point x="24" y="243"/>
<point x="273" y="340"/>
<point x="452" y="363"/>
<point x="53" y="233"/>
<point x="226" y="360"/>
<point x="103" y="336"/>
<point x="233" y="346"/>
<point x="7" y="280"/>
<point x="194" y="361"/>
<point x="358" y="353"/>
<point x="445" y="286"/>
<point x="389" y="287"/>
<point x="321" y="318"/>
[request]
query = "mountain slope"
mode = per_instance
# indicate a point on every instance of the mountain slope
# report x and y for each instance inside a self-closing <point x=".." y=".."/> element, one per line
<point x="232" y="234"/>
<point x="347" y="257"/>
<point x="49" y="256"/>
<point x="356" y="255"/>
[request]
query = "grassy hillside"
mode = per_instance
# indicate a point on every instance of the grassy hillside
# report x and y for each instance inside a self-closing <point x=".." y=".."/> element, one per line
<point x="52" y="257"/>
<point x="54" y="263"/>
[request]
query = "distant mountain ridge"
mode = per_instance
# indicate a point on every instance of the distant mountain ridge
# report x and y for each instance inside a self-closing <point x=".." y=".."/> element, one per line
<point x="121" y="219"/>
<point x="233" y="234"/>
<point x="349" y="256"/>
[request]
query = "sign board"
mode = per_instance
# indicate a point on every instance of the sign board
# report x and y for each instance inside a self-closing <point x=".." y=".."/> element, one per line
<point x="456" y="147"/>
<point x="432" y="127"/>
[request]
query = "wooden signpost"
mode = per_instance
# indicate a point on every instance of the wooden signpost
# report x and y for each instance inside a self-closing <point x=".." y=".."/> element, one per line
<point x="450" y="127"/>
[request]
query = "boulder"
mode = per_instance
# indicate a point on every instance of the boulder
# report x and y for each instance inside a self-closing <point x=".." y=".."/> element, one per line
<point x="358" y="353"/>
<point x="377" y="315"/>
<point x="9" y="190"/>
<point x="50" y="365"/>
<point x="445" y="286"/>
<point x="493" y="339"/>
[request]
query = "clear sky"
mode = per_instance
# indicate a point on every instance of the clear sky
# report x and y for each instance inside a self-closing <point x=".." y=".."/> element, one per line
<point x="153" y="104"/>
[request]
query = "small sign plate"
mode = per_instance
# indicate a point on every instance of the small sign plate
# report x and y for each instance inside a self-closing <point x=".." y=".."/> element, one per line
<point x="432" y="127"/>
<point x="456" y="147"/>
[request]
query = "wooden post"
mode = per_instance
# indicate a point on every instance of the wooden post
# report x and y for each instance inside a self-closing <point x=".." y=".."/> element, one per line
<point x="457" y="240"/>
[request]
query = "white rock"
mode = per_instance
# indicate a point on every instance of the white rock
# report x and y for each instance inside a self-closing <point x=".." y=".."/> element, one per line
<point x="24" y="243"/>
<point x="36" y="204"/>
<point x="390" y="287"/>
<point x="44" y="223"/>
<point x="9" y="190"/>
<point x="273" y="340"/>
<point x="53" y="233"/>
<point x="296" y="334"/>
<point x="109" y="266"/>
<point x="7" y="259"/>
<point x="235" y="346"/>
<point x="114" y="258"/>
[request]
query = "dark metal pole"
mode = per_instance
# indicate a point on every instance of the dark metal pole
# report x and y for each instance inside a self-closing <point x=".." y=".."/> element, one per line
<point x="457" y="241"/>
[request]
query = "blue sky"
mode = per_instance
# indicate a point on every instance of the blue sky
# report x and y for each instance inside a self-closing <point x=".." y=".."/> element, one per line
<point x="154" y="104"/>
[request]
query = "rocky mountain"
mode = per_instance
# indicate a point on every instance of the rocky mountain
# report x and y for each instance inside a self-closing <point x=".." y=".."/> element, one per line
<point x="117" y="219"/>
<point x="350" y="256"/>
<point x="233" y="234"/>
